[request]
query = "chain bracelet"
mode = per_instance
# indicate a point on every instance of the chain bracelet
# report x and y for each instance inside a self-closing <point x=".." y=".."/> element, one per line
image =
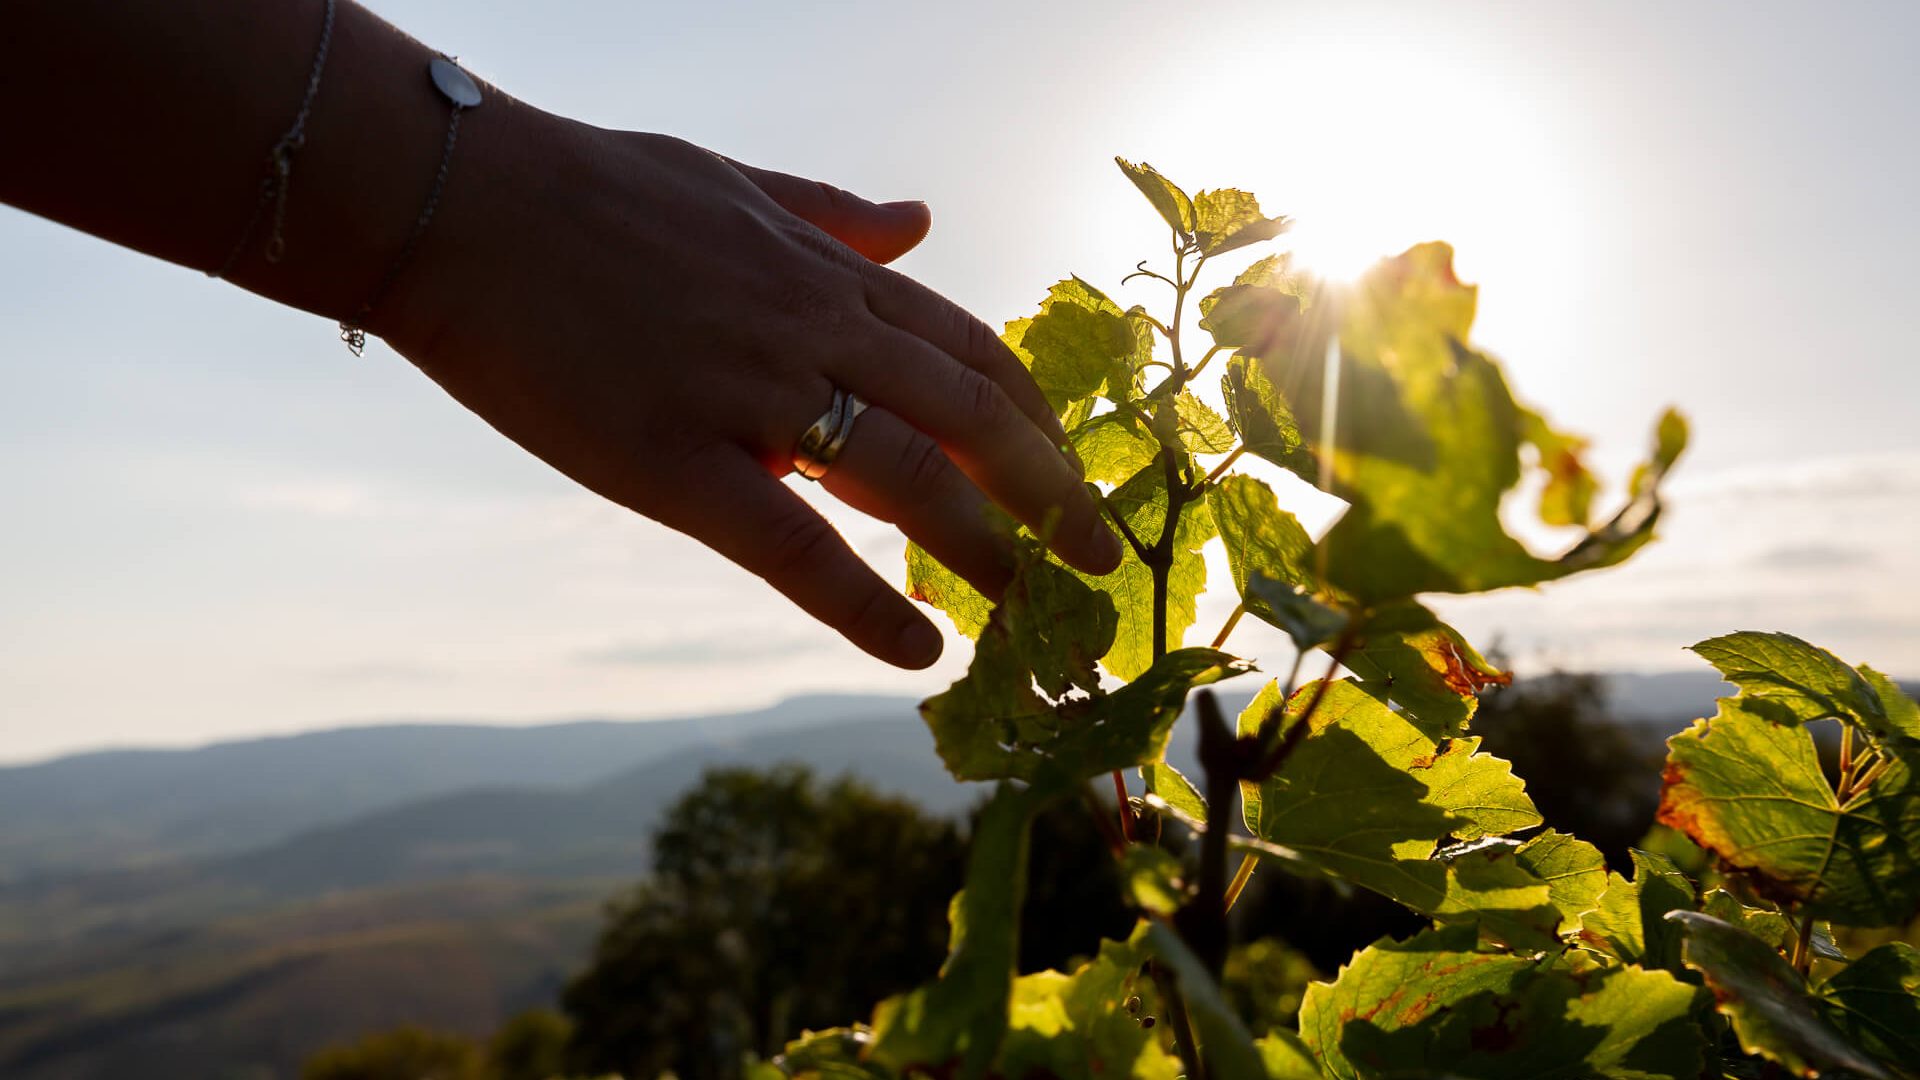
<point x="273" y="186"/>
<point x="462" y="93"/>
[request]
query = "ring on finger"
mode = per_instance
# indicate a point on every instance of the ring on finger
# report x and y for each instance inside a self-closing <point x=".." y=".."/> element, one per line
<point x="821" y="443"/>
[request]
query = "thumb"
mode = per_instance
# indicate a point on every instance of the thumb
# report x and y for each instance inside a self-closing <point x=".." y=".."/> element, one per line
<point x="881" y="231"/>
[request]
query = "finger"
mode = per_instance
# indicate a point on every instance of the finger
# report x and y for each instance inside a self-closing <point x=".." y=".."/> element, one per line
<point x="880" y="231"/>
<point x="893" y="472"/>
<point x="910" y="306"/>
<point x="984" y="433"/>
<point x="753" y="519"/>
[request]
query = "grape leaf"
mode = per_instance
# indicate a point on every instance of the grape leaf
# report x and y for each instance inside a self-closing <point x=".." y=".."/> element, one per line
<point x="1903" y="713"/>
<point x="1621" y="1022"/>
<point x="1154" y="880"/>
<point x="1225" y="1046"/>
<point x="1368" y="797"/>
<point x="1261" y="539"/>
<point x="1202" y="430"/>
<point x="1427" y="441"/>
<point x="992" y="725"/>
<point x="1076" y="1027"/>
<point x="1425" y="666"/>
<point x="1771" y="926"/>
<point x="1228" y="219"/>
<point x="1080" y="344"/>
<point x="1306" y="620"/>
<point x="961" y="1016"/>
<point x="1286" y="1057"/>
<point x="1567" y="497"/>
<point x="1875" y="1001"/>
<point x="1805" y="679"/>
<point x="1260" y="415"/>
<point x="1172" y="204"/>
<point x="834" y="1054"/>
<point x="1167" y="782"/>
<point x="1751" y="791"/>
<point x="1142" y="503"/>
<point x="931" y="583"/>
<point x="1113" y="446"/>
<point x="1574" y="871"/>
<point x="1393" y="985"/>
<point x="1767" y="1001"/>
<point x="1630" y="921"/>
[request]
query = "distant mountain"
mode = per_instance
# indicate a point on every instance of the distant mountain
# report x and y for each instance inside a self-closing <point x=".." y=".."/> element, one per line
<point x="132" y="807"/>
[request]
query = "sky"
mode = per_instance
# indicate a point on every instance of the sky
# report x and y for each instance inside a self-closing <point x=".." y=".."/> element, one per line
<point x="216" y="523"/>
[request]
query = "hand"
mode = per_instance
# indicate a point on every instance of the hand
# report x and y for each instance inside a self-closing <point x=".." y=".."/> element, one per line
<point x="661" y="324"/>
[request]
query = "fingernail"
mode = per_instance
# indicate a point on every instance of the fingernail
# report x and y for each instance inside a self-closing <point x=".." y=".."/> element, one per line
<point x="919" y="644"/>
<point x="904" y="204"/>
<point x="1103" y="543"/>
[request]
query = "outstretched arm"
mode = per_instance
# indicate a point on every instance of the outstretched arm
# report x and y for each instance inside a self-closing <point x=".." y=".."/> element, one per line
<point x="655" y="321"/>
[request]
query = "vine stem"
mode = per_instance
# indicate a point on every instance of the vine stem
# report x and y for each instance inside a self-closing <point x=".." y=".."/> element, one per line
<point x="1221" y="468"/>
<point x="1240" y="878"/>
<point x="1802" y="947"/>
<point x="1176" y="1009"/>
<point x="1233" y="620"/>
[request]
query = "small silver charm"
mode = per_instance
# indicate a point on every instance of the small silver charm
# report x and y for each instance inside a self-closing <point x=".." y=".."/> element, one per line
<point x="457" y="86"/>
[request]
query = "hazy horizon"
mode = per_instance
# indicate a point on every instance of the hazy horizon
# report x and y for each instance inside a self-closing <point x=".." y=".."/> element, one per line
<point x="221" y="525"/>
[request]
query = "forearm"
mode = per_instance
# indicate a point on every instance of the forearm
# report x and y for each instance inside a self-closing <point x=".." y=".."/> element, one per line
<point x="148" y="123"/>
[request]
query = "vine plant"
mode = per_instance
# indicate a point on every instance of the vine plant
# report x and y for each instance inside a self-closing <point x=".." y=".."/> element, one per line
<point x="1541" y="961"/>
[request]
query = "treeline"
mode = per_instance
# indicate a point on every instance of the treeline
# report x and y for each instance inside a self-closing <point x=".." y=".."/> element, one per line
<point x="780" y="902"/>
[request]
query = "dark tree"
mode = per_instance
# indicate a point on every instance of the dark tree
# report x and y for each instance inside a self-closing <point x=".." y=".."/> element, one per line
<point x="777" y="903"/>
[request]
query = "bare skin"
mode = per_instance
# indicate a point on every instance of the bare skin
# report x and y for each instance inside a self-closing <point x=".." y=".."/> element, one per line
<point x="653" y="320"/>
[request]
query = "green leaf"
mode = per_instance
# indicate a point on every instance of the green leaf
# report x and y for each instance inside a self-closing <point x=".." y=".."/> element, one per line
<point x="985" y="724"/>
<point x="1751" y="791"/>
<point x="1076" y="1027"/>
<point x="931" y="583"/>
<point x="1427" y="442"/>
<point x="992" y="725"/>
<point x="1903" y="713"/>
<point x="1259" y="413"/>
<point x="1425" y="666"/>
<point x="834" y="1054"/>
<point x="1630" y="922"/>
<point x="1875" y="1001"/>
<point x="961" y="1016"/>
<point x="1113" y="446"/>
<point x="1225" y="1046"/>
<point x="1142" y="503"/>
<point x="1567" y="497"/>
<point x="1395" y="985"/>
<point x="1172" y="204"/>
<point x="1805" y="679"/>
<point x="1767" y="1001"/>
<point x="1130" y="726"/>
<point x="1574" y="870"/>
<point x="1167" y="782"/>
<point x="1262" y="540"/>
<point x="1080" y="344"/>
<point x="1060" y="627"/>
<point x="1772" y="926"/>
<point x="1369" y="797"/>
<point x="1286" y="1057"/>
<point x="1153" y="878"/>
<point x="1202" y="431"/>
<point x="1618" y="1022"/>
<point x="1306" y="620"/>
<point x="1436" y="1006"/>
<point x="1228" y="219"/>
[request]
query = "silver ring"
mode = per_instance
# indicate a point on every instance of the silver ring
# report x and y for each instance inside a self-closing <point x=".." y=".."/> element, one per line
<point x="822" y="442"/>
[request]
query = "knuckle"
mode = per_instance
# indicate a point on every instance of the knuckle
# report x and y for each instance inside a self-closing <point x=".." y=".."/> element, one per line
<point x="821" y="305"/>
<point x="986" y="404"/>
<point x="872" y="617"/>
<point x="924" y="468"/>
<point x="801" y="541"/>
